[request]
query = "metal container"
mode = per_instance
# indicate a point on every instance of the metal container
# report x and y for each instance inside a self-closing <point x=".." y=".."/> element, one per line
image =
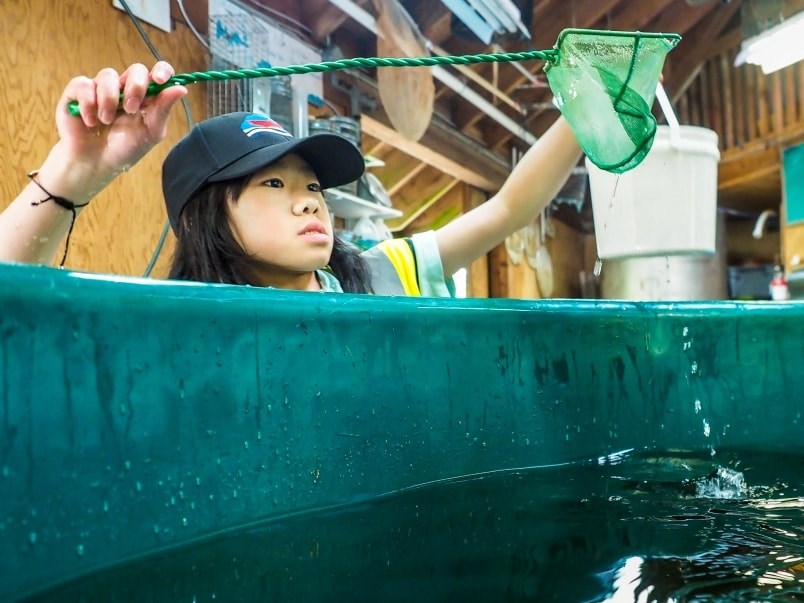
<point x="670" y="278"/>
<point x="347" y="127"/>
<point x="795" y="283"/>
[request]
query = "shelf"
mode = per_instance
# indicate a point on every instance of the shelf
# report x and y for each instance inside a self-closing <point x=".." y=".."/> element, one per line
<point x="350" y="207"/>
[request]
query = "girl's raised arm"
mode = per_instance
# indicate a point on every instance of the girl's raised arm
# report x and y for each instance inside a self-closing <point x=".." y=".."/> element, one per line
<point x="532" y="184"/>
<point x="92" y="150"/>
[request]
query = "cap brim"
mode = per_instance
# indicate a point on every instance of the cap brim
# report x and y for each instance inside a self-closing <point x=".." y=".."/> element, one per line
<point x="334" y="159"/>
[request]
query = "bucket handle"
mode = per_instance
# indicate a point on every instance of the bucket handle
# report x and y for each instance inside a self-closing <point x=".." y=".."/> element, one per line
<point x="670" y="115"/>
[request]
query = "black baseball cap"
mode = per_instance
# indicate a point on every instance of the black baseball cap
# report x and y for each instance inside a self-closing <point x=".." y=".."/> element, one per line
<point x="237" y="144"/>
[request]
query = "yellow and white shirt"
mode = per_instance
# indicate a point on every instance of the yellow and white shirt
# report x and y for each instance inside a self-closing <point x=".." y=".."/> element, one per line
<point x="409" y="267"/>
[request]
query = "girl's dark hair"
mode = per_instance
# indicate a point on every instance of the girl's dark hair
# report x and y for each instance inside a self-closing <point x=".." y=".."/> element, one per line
<point x="207" y="250"/>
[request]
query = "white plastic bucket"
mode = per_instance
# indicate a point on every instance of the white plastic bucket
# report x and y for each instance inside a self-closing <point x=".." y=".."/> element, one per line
<point x="667" y="205"/>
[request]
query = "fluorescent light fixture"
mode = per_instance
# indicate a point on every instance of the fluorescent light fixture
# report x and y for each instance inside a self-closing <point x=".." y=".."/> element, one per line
<point x="776" y="48"/>
<point x="485" y="18"/>
<point x="476" y="24"/>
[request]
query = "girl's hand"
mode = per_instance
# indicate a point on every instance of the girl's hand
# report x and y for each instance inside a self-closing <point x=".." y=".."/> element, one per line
<point x="110" y="137"/>
<point x="92" y="149"/>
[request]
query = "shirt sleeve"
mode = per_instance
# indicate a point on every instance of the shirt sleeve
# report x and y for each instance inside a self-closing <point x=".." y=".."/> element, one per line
<point x="429" y="270"/>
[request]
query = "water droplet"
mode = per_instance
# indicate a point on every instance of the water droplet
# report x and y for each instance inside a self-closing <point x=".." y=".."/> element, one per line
<point x="184" y="521"/>
<point x="6" y="471"/>
<point x="79" y="550"/>
<point x="32" y="537"/>
<point x="105" y="506"/>
<point x="706" y="428"/>
<point x="598" y="267"/>
<point x="138" y="486"/>
<point x="697" y="406"/>
<point x="127" y="465"/>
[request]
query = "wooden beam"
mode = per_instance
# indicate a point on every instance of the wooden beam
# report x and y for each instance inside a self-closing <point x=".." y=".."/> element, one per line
<point x="757" y="155"/>
<point x="406" y="178"/>
<point x="477" y="281"/>
<point x="444" y="151"/>
<point x="447" y="207"/>
<point x="684" y="63"/>
<point x="433" y="19"/>
<point x="631" y="16"/>
<point x="742" y="167"/>
<point x="498" y="272"/>
<point x="425" y="204"/>
<point x="681" y="17"/>
<point x="324" y="17"/>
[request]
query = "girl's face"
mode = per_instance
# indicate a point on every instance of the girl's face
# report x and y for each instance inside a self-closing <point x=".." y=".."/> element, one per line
<point x="282" y="221"/>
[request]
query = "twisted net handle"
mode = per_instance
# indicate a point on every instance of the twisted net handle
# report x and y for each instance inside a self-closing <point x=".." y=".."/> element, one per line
<point x="185" y="79"/>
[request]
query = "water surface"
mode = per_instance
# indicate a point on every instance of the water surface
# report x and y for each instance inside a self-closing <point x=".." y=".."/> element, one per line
<point x="634" y="526"/>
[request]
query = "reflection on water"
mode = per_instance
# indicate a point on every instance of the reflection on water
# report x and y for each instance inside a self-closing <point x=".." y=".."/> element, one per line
<point x="628" y="527"/>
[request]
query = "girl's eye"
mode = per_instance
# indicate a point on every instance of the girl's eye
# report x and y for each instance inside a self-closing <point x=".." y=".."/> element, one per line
<point x="274" y="183"/>
<point x="314" y="187"/>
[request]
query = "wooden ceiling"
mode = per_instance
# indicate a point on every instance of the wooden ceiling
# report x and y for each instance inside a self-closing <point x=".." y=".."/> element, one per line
<point x="463" y="144"/>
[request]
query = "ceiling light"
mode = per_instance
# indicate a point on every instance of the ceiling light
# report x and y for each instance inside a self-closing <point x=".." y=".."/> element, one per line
<point x="775" y="48"/>
<point x="485" y="18"/>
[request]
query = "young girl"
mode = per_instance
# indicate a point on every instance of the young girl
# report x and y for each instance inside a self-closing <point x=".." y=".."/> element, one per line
<point x="245" y="199"/>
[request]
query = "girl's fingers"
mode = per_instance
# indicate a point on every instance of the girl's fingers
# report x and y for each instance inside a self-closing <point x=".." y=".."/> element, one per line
<point x="135" y="82"/>
<point x="162" y="72"/>
<point x="159" y="109"/>
<point x="107" y="91"/>
<point x="82" y="90"/>
<point x="99" y="99"/>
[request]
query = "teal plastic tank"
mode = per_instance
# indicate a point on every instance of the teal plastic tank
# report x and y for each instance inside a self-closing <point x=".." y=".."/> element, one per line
<point x="139" y="415"/>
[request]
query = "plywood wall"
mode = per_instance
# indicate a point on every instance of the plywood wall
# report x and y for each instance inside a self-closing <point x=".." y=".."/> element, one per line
<point x="568" y="258"/>
<point x="45" y="44"/>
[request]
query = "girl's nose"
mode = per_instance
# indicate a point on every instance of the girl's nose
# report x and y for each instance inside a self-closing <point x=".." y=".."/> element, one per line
<point x="307" y="203"/>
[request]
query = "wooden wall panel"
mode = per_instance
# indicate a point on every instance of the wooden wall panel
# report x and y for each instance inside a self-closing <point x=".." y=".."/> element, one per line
<point x="46" y="43"/>
<point x="569" y="254"/>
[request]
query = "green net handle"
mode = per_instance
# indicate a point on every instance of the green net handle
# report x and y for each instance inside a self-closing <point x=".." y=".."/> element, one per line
<point x="357" y="63"/>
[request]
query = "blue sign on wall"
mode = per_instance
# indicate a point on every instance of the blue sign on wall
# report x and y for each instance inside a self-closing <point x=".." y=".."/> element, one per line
<point x="793" y="179"/>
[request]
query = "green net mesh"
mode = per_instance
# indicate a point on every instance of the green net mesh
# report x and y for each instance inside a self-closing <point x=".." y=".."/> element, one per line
<point x="604" y="83"/>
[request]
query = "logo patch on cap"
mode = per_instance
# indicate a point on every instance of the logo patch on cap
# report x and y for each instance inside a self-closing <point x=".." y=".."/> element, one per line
<point x="255" y="124"/>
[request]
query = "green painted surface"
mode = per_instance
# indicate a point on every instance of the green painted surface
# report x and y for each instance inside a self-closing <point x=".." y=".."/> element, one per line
<point x="793" y="175"/>
<point x="138" y="415"/>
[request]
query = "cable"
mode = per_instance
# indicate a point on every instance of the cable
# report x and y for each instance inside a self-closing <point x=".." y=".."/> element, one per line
<point x="196" y="33"/>
<point x="187" y="113"/>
